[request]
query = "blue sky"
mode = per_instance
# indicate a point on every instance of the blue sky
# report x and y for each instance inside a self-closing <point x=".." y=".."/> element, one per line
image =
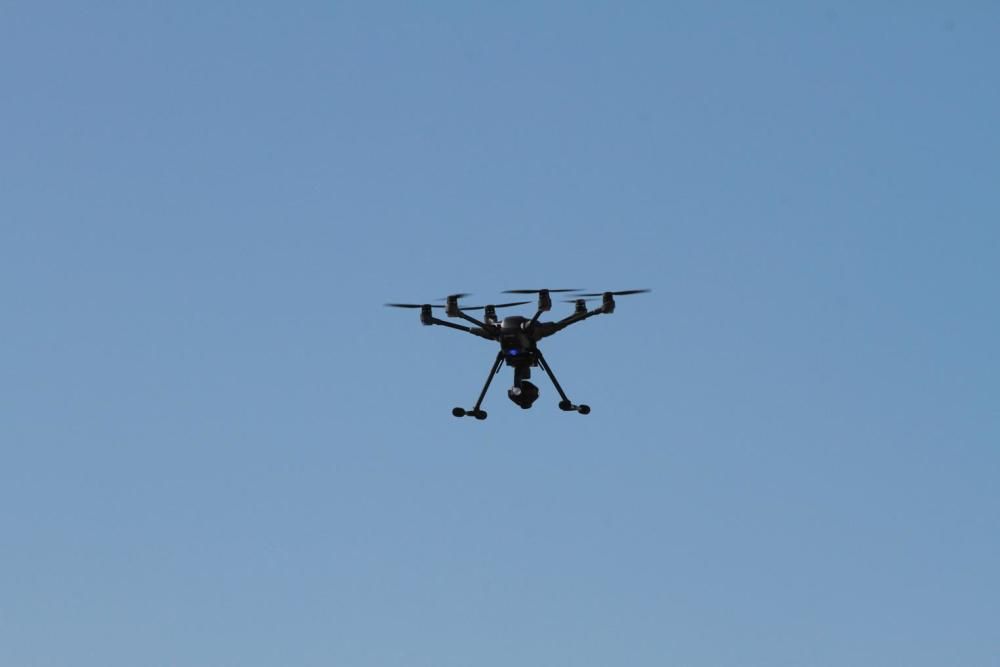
<point x="218" y="448"/>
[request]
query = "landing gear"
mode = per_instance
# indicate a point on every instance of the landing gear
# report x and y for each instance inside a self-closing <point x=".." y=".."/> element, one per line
<point x="478" y="414"/>
<point x="565" y="404"/>
<point x="523" y="393"/>
<point x="476" y="411"/>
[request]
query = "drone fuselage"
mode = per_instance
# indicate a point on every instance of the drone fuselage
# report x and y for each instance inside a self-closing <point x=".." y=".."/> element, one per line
<point x="520" y="351"/>
<point x="515" y="338"/>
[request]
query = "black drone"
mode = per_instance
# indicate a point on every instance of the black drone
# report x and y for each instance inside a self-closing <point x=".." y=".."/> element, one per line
<point x="518" y="337"/>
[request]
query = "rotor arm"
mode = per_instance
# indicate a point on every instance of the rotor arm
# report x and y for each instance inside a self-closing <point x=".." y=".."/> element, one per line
<point x="545" y="329"/>
<point x="544" y="305"/>
<point x="476" y="331"/>
<point x="465" y="316"/>
<point x="452" y="309"/>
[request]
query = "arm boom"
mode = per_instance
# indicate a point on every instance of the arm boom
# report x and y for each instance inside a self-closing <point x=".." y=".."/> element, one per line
<point x="546" y="329"/>
<point x="477" y="331"/>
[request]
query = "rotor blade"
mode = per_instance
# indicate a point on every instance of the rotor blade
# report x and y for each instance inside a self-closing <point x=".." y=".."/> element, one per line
<point x="511" y="304"/>
<point x="619" y="293"/>
<point x="410" y="305"/>
<point x="496" y="305"/>
<point x="536" y="291"/>
<point x="460" y="295"/>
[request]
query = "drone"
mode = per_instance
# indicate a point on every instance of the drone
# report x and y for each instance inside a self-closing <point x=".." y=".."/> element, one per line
<point x="518" y="338"/>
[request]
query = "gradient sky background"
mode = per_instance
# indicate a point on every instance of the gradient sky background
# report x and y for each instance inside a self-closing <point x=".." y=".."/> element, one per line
<point x="218" y="448"/>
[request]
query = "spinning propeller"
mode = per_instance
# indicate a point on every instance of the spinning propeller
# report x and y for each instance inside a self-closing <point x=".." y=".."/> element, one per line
<point x="544" y="300"/>
<point x="457" y="296"/>
<point x="537" y="291"/>
<point x="619" y="293"/>
<point x="607" y="299"/>
<point x="412" y="305"/>
<point x="496" y="305"/>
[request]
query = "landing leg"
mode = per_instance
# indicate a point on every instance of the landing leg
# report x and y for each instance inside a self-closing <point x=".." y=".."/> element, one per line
<point x="565" y="404"/>
<point x="476" y="412"/>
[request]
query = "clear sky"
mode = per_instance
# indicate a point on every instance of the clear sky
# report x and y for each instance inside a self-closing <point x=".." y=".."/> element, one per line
<point x="218" y="448"/>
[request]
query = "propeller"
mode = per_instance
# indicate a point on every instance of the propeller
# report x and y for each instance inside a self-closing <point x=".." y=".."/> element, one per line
<point x="619" y="293"/>
<point x="421" y="305"/>
<point x="462" y="295"/>
<point x="537" y="291"/>
<point x="496" y="305"/>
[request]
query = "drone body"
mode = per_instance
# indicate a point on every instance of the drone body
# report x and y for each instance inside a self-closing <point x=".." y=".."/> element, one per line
<point x="518" y="338"/>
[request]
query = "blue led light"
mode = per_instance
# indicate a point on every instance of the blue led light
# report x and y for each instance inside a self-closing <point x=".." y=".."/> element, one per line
<point x="512" y="352"/>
